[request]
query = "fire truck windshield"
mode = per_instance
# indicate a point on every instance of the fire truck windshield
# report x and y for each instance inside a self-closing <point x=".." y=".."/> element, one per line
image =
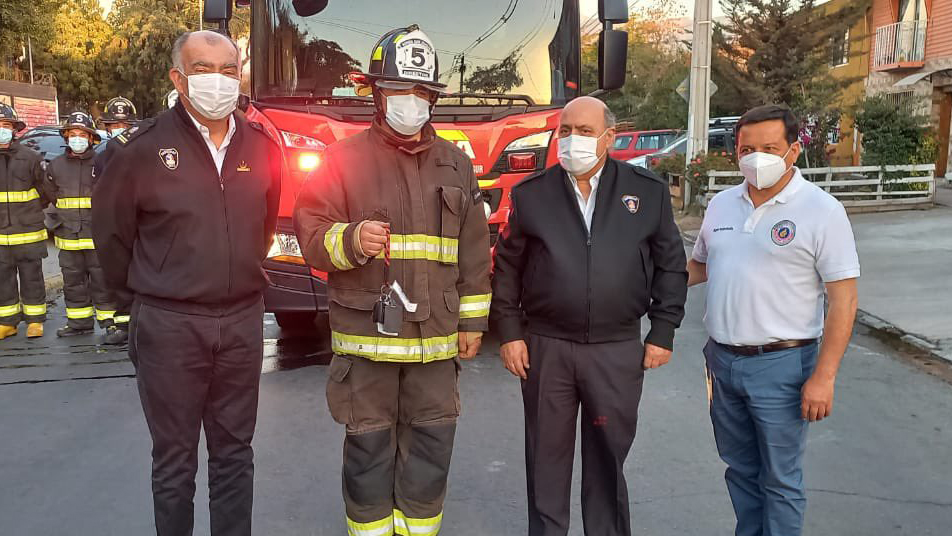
<point x="524" y="48"/>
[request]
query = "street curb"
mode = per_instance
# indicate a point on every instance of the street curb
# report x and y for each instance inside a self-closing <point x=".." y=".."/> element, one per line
<point x="898" y="337"/>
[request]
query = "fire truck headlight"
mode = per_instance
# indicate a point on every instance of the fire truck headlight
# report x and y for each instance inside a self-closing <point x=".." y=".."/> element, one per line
<point x="488" y="209"/>
<point x="539" y="140"/>
<point x="308" y="162"/>
<point x="285" y="248"/>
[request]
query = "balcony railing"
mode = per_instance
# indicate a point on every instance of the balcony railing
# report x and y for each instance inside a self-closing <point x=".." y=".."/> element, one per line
<point x="900" y="43"/>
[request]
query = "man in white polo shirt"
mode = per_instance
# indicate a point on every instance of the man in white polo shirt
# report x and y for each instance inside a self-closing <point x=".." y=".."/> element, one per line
<point x="770" y="249"/>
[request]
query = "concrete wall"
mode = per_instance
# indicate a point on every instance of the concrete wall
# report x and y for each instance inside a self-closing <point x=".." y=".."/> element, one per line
<point x="34" y="103"/>
<point x="846" y="152"/>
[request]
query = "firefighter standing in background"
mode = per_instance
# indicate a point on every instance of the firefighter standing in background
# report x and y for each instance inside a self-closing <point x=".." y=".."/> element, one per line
<point x="70" y="185"/>
<point x="396" y="218"/>
<point x="118" y="117"/>
<point x="22" y="234"/>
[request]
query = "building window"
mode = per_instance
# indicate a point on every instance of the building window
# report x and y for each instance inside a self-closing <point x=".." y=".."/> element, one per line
<point x="840" y="49"/>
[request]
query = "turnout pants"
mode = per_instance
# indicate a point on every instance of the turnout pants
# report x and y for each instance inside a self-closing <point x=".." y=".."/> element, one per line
<point x="195" y="371"/>
<point x="761" y="434"/>
<point x="84" y="284"/>
<point x="606" y="379"/>
<point x="401" y="422"/>
<point x="22" y="288"/>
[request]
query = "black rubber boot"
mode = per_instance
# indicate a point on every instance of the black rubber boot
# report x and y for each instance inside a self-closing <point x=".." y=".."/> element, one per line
<point x="67" y="331"/>
<point x="115" y="336"/>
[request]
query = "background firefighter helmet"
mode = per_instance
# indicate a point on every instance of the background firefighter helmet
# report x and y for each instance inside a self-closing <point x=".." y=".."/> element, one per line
<point x="118" y="110"/>
<point x="82" y="121"/>
<point x="405" y="55"/>
<point x="9" y="114"/>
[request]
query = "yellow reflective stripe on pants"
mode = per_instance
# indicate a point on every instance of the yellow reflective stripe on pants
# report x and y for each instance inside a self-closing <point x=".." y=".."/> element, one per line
<point x="475" y="306"/>
<point x="121" y="319"/>
<point x="10" y="310"/>
<point x="424" y="247"/>
<point x="79" y="312"/>
<point x="395" y="348"/>
<point x="334" y="244"/>
<point x="384" y="527"/>
<point x="74" y="244"/>
<point x="104" y="315"/>
<point x="23" y="238"/>
<point x="19" y="197"/>
<point x="34" y="310"/>
<point x="74" y="202"/>
<point x="408" y="526"/>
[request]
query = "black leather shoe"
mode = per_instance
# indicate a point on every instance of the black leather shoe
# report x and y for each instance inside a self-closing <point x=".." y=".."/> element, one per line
<point x="115" y="336"/>
<point x="72" y="332"/>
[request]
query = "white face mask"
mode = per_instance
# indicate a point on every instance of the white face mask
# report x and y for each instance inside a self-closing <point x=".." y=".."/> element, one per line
<point x="763" y="170"/>
<point x="213" y="95"/>
<point x="407" y="113"/>
<point x="6" y="135"/>
<point x="78" y="144"/>
<point x="115" y="132"/>
<point x="579" y="154"/>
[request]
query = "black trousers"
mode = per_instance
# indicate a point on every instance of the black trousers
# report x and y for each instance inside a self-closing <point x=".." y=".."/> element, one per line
<point x="195" y="371"/>
<point x="22" y="288"/>
<point x="606" y="379"/>
<point x="84" y="284"/>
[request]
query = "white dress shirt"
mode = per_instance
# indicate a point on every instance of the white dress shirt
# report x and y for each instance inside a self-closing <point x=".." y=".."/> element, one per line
<point x="587" y="207"/>
<point x="767" y="266"/>
<point x="218" y="153"/>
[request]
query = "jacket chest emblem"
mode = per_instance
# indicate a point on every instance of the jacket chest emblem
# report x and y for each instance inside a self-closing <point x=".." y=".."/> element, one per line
<point x="631" y="202"/>
<point x="170" y="158"/>
<point x="243" y="166"/>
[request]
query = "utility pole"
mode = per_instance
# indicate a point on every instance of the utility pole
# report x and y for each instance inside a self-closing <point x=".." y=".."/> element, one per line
<point x="29" y="45"/>
<point x="462" y="75"/>
<point x="699" y="105"/>
<point x="201" y="8"/>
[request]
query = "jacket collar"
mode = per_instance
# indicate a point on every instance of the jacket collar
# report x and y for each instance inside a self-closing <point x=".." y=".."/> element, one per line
<point x="426" y="141"/>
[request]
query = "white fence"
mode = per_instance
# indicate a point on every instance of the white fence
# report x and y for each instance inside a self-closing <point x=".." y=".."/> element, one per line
<point x="859" y="186"/>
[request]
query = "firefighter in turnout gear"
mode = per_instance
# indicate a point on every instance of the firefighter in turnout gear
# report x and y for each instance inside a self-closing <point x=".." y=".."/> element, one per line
<point x="396" y="218"/>
<point x="119" y="116"/>
<point x="22" y="233"/>
<point x="70" y="185"/>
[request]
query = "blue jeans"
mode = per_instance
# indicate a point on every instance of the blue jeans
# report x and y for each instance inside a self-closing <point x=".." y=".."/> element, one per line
<point x="761" y="435"/>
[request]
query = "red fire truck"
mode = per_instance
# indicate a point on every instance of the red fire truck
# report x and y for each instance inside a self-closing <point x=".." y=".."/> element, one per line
<point x="512" y="64"/>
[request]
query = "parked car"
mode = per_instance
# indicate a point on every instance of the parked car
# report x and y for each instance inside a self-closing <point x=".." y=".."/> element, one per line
<point x="719" y="139"/>
<point x="630" y="144"/>
<point x="47" y="141"/>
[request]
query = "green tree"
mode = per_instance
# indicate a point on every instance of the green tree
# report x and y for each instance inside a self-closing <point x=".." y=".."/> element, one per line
<point x="76" y="55"/>
<point x="892" y="135"/>
<point x="497" y="78"/>
<point x="778" y="51"/>
<point x="18" y="20"/>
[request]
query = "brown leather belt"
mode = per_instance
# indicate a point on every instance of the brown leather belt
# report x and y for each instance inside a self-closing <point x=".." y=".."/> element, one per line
<point x="750" y="351"/>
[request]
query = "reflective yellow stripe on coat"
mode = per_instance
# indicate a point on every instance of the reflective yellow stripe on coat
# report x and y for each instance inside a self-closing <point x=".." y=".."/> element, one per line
<point x="34" y="310"/>
<point x="74" y="202"/>
<point x="334" y="244"/>
<point x="79" y="312"/>
<point x="408" y="526"/>
<point x="424" y="247"/>
<point x="23" y="238"/>
<point x="475" y="306"/>
<point x="19" y="197"/>
<point x="396" y="349"/>
<point x="383" y="527"/>
<point x="9" y="310"/>
<point x="77" y="244"/>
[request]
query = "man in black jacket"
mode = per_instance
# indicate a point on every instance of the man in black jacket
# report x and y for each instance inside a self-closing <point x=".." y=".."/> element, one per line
<point x="590" y="247"/>
<point x="183" y="216"/>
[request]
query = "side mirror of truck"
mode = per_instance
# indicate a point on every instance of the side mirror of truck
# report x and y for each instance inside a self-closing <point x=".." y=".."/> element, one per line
<point x="612" y="45"/>
<point x="217" y="11"/>
<point x="307" y="8"/>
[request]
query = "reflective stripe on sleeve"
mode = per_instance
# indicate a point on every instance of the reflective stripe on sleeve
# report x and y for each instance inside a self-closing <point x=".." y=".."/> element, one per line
<point x="19" y="197"/>
<point x="409" y="526"/>
<point x="475" y="306"/>
<point x="104" y="315"/>
<point x="395" y="348"/>
<point x="74" y="202"/>
<point x="383" y="527"/>
<point x="79" y="312"/>
<point x="334" y="244"/>
<point x="23" y="238"/>
<point x="77" y="244"/>
<point x="9" y="310"/>
<point x="34" y="310"/>
<point x="424" y="247"/>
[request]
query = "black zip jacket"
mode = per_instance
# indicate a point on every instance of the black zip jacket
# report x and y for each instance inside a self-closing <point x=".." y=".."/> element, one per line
<point x="21" y="177"/>
<point x="567" y="283"/>
<point x="170" y="230"/>
<point x="70" y="180"/>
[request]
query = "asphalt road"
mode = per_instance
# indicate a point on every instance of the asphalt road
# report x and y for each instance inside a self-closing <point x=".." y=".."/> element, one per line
<point x="74" y="449"/>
